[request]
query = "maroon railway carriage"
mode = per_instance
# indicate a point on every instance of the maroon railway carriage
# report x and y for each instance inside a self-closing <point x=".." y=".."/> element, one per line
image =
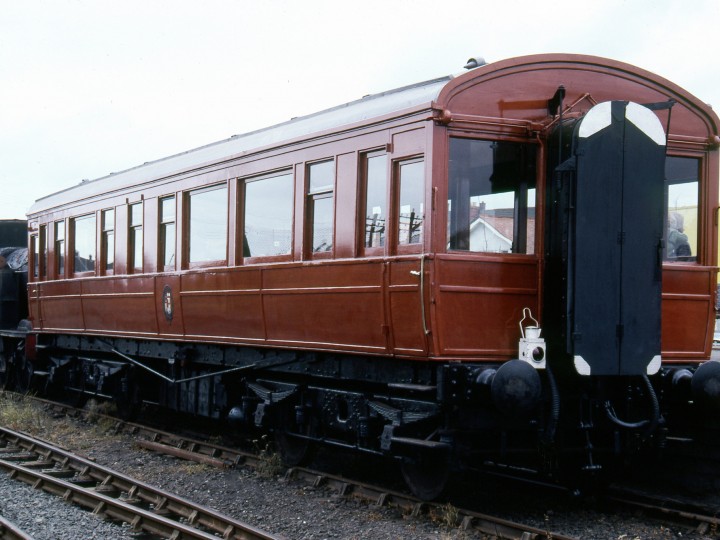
<point x="368" y="275"/>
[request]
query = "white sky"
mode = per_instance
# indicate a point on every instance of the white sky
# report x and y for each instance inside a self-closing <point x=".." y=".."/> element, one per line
<point x="89" y="87"/>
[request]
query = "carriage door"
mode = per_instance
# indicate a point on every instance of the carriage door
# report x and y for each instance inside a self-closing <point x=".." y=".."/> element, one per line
<point x="605" y="249"/>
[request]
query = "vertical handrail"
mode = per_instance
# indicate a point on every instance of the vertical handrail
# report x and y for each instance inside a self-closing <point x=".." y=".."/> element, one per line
<point x="421" y="273"/>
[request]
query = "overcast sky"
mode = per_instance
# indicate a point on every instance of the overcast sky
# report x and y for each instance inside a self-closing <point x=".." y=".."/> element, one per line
<point x="89" y="87"/>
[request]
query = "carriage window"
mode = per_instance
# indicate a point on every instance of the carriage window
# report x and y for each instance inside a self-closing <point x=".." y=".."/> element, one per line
<point x="60" y="248"/>
<point x="167" y="232"/>
<point x="34" y="249"/>
<point x="681" y="197"/>
<point x="491" y="196"/>
<point x="135" y="237"/>
<point x="376" y="211"/>
<point x="321" y="184"/>
<point x="268" y="216"/>
<point x="42" y="255"/>
<point x="208" y="218"/>
<point x="84" y="244"/>
<point x="108" y="241"/>
<point x="411" y="203"/>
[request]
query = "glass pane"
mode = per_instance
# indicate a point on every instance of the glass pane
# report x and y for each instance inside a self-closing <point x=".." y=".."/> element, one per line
<point x="412" y="207"/>
<point x="35" y="244"/>
<point x="43" y="250"/>
<point x="108" y="220"/>
<point x="84" y="243"/>
<point x="491" y="196"/>
<point x="322" y="239"/>
<point x="168" y="243"/>
<point x="136" y="248"/>
<point x="60" y="230"/>
<point x="268" y="216"/>
<point x="109" y="249"/>
<point x="208" y="225"/>
<point x="681" y="176"/>
<point x="530" y="225"/>
<point x="60" y="255"/>
<point x="322" y="176"/>
<point x="376" y="201"/>
<point x="167" y="209"/>
<point x="135" y="214"/>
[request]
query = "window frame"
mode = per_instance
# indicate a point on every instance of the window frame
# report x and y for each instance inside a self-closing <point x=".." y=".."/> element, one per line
<point x="73" y="244"/>
<point x="162" y="233"/>
<point x="60" y="258"/>
<point x="393" y="233"/>
<point x="700" y="180"/>
<point x="43" y="252"/>
<point x="536" y="241"/>
<point x="365" y="157"/>
<point x="132" y="230"/>
<point x="34" y="255"/>
<point x="187" y="217"/>
<point x="104" y="251"/>
<point x="243" y="182"/>
<point x="311" y="198"/>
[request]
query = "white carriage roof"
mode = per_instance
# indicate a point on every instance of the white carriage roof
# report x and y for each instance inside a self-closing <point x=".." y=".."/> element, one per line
<point x="372" y="106"/>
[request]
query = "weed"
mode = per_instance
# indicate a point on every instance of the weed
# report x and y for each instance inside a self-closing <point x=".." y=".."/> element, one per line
<point x="270" y="461"/>
<point x="100" y="413"/>
<point x="449" y="515"/>
<point x="21" y="414"/>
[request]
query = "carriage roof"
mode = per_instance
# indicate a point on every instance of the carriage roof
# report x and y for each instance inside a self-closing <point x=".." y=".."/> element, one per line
<point x="371" y="106"/>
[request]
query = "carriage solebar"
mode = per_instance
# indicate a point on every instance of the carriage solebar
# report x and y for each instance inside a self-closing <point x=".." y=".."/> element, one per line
<point x="513" y="267"/>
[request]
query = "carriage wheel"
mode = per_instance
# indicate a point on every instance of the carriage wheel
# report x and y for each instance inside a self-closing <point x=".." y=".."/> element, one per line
<point x="23" y="373"/>
<point x="426" y="474"/>
<point x="294" y="450"/>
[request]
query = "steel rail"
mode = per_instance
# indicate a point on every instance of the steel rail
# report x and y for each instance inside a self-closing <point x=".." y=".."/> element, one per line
<point x="211" y="454"/>
<point x="702" y="519"/>
<point x="115" y="495"/>
<point x="10" y="531"/>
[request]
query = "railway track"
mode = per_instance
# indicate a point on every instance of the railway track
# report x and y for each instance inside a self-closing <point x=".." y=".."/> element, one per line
<point x="10" y="531"/>
<point x="194" y="449"/>
<point x="115" y="495"/>
<point x="693" y="517"/>
<point x="701" y="519"/>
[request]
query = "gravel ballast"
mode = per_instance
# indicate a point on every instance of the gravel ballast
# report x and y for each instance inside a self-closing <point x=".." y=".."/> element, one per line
<point x="292" y="509"/>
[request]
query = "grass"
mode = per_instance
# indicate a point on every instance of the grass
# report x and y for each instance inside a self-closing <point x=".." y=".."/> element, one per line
<point x="99" y="413"/>
<point x="20" y="413"/>
<point x="271" y="463"/>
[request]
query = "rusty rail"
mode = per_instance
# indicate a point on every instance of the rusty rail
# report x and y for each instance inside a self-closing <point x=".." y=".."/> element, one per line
<point x="114" y="495"/>
<point x="10" y="531"/>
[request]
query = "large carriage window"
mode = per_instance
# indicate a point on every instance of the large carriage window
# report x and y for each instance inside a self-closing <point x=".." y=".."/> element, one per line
<point x="60" y="248"/>
<point x="411" y="202"/>
<point x="135" y="235"/>
<point x="108" y="241"/>
<point x="84" y="244"/>
<point x="167" y="232"/>
<point x="491" y="196"/>
<point x="376" y="194"/>
<point x="321" y="185"/>
<point x="268" y="216"/>
<point x="208" y="224"/>
<point x="681" y="196"/>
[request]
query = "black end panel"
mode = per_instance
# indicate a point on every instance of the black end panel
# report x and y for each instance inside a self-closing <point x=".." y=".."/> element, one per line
<point x="605" y="275"/>
<point x="643" y="230"/>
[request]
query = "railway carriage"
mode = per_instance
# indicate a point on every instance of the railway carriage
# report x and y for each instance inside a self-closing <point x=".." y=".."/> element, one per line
<point x="511" y="267"/>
